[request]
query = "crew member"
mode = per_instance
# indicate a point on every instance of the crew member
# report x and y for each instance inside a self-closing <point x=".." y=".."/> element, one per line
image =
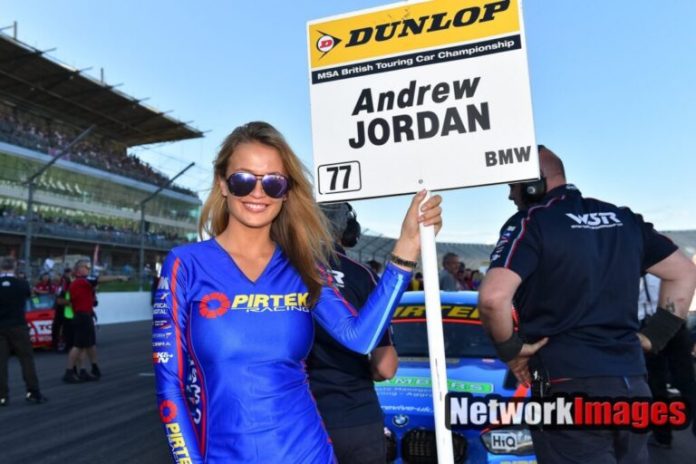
<point x="341" y="380"/>
<point x="14" y="333"/>
<point x="83" y="300"/>
<point x="570" y="264"/>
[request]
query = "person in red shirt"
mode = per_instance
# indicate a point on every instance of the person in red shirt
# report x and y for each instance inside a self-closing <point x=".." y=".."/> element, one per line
<point x="44" y="286"/>
<point x="82" y="299"/>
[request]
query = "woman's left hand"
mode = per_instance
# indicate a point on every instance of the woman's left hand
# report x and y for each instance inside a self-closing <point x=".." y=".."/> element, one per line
<point x="428" y="214"/>
<point x="431" y="213"/>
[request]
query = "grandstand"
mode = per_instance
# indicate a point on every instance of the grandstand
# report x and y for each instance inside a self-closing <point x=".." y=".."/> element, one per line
<point x="377" y="247"/>
<point x="477" y="255"/>
<point x="92" y="195"/>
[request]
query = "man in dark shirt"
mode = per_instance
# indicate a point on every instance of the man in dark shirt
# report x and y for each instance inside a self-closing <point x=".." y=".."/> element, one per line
<point x="570" y="266"/>
<point x="14" y="333"/>
<point x="342" y="380"/>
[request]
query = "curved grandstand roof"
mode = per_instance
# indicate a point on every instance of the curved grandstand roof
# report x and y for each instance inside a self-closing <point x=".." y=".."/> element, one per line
<point x="30" y="78"/>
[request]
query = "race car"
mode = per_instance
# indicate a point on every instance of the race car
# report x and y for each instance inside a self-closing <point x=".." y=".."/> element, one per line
<point x="472" y="367"/>
<point x="39" y="315"/>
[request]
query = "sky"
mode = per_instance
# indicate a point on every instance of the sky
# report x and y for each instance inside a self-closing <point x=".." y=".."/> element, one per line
<point x="612" y="89"/>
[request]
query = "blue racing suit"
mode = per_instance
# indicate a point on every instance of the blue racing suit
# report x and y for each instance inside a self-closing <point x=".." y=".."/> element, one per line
<point x="229" y="355"/>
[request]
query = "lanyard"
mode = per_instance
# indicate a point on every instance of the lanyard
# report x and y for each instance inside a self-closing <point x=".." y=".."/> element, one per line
<point x="645" y="289"/>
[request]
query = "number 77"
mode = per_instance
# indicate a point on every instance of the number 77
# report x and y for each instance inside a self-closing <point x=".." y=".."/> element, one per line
<point x="334" y="175"/>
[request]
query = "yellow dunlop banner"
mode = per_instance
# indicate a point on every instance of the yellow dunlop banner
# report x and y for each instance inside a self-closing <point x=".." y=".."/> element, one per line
<point x="408" y="26"/>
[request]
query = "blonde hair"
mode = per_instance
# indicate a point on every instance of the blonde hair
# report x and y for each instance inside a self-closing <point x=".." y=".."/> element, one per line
<point x="300" y="229"/>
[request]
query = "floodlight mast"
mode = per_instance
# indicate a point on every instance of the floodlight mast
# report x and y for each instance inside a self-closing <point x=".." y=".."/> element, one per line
<point x="31" y="186"/>
<point x="13" y="27"/>
<point x="142" y="220"/>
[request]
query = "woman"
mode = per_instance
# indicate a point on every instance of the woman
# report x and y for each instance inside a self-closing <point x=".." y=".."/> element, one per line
<point x="233" y="316"/>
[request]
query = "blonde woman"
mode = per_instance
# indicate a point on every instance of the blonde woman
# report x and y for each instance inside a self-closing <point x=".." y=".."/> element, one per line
<point x="233" y="315"/>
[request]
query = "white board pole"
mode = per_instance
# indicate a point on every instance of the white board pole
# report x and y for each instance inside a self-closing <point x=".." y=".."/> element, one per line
<point x="436" y="341"/>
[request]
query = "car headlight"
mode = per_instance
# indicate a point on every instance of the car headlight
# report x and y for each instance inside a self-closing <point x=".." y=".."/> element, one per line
<point x="508" y="441"/>
<point x="419" y="447"/>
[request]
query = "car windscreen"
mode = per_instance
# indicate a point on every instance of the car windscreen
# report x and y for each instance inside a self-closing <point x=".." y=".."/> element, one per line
<point x="462" y="340"/>
<point x="40" y="303"/>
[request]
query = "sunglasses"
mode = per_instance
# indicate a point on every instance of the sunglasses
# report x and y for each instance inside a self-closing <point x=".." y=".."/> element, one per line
<point x="243" y="183"/>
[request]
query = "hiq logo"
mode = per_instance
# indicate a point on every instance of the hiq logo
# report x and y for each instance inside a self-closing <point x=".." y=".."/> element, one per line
<point x="503" y="442"/>
<point x="594" y="220"/>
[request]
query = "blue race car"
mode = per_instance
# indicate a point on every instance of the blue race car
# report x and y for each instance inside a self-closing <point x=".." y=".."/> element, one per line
<point x="472" y="367"/>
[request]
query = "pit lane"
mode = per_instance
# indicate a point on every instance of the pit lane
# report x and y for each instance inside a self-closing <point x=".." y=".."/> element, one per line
<point x="115" y="420"/>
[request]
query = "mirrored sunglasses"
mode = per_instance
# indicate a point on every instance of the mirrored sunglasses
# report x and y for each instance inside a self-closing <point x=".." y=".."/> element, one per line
<point x="243" y="183"/>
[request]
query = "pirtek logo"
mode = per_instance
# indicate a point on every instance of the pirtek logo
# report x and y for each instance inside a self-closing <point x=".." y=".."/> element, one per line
<point x="424" y="24"/>
<point x="213" y="305"/>
<point x="177" y="443"/>
<point x="595" y="220"/>
<point x="167" y="411"/>
<point x="216" y="304"/>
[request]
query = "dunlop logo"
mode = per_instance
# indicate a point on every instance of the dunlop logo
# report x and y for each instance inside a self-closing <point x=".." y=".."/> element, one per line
<point x="426" y="24"/>
<point x="420" y="25"/>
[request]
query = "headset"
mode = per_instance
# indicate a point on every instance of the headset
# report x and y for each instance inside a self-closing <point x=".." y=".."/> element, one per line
<point x="352" y="232"/>
<point x="534" y="191"/>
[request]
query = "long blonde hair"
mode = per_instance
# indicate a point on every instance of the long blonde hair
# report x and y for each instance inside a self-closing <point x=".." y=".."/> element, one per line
<point x="300" y="229"/>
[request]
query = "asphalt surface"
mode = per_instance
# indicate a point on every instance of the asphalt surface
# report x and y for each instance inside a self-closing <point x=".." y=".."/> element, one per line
<point x="115" y="420"/>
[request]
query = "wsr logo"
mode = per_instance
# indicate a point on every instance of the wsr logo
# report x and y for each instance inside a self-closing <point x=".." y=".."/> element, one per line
<point x="594" y="220"/>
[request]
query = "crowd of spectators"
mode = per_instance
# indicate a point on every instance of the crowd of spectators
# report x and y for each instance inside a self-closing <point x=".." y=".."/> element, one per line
<point x="88" y="227"/>
<point x="468" y="278"/>
<point x="49" y="136"/>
